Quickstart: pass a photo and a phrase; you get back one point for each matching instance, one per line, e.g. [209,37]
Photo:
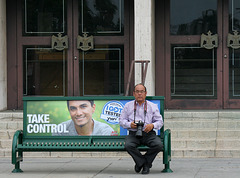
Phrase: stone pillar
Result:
[144,43]
[3,56]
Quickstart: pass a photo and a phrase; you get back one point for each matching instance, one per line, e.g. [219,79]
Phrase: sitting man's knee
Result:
[158,146]
[129,146]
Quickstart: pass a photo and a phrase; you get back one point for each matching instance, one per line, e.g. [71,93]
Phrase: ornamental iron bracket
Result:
[85,43]
[209,41]
[233,40]
[60,42]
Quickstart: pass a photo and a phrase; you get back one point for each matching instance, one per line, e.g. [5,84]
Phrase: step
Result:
[193,143]
[204,133]
[193,153]
[5,152]
[191,114]
[5,144]
[228,134]
[207,153]
[202,114]
[228,153]
[234,124]
[191,124]
[14,125]
[7,134]
[11,115]
[229,114]
[193,133]
[227,143]
[205,143]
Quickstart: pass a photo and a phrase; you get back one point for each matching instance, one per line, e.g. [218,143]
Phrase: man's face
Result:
[139,93]
[81,112]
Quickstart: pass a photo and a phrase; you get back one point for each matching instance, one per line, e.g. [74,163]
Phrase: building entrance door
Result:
[202,54]
[72,47]
[231,54]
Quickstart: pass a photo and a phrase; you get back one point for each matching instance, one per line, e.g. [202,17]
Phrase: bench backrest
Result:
[43,116]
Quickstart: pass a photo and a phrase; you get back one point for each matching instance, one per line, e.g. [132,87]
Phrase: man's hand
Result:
[133,125]
[148,128]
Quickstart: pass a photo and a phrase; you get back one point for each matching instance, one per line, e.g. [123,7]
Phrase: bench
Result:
[37,137]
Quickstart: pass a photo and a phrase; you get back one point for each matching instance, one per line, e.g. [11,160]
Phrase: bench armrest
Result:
[17,139]
[167,146]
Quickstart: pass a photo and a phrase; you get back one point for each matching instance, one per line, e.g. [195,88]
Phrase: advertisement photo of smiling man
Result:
[140,117]
[81,122]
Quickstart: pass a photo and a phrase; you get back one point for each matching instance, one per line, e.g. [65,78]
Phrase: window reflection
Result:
[234,73]
[101,17]
[44,71]
[234,15]
[193,73]
[234,54]
[102,71]
[198,16]
[44,17]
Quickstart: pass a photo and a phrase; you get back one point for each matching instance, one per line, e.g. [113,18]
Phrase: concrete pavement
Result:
[118,167]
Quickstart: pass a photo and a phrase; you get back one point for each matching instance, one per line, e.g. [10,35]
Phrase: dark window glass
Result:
[193,72]
[234,57]
[102,71]
[188,17]
[100,17]
[44,71]
[234,73]
[44,17]
[234,15]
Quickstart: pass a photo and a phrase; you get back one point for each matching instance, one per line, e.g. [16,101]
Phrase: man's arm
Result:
[157,120]
[124,120]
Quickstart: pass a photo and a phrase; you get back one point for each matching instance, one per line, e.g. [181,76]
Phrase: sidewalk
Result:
[119,168]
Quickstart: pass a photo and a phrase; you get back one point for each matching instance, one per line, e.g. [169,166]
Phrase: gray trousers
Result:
[149,139]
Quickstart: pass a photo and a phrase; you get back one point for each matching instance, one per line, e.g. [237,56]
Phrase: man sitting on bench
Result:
[140,117]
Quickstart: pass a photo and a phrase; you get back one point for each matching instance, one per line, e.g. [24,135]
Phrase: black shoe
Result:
[137,169]
[146,169]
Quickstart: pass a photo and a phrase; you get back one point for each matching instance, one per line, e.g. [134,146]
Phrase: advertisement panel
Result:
[61,118]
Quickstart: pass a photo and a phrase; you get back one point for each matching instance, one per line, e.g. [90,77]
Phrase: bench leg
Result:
[167,168]
[167,151]
[17,156]
[17,168]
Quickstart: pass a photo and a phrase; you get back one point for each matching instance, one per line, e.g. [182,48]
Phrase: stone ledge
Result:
[11,115]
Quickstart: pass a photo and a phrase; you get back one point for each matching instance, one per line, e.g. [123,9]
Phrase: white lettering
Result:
[54,128]
[29,118]
[60,128]
[34,119]
[38,118]
[65,129]
[46,118]
[42,128]
[29,128]
[35,128]
[46,128]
